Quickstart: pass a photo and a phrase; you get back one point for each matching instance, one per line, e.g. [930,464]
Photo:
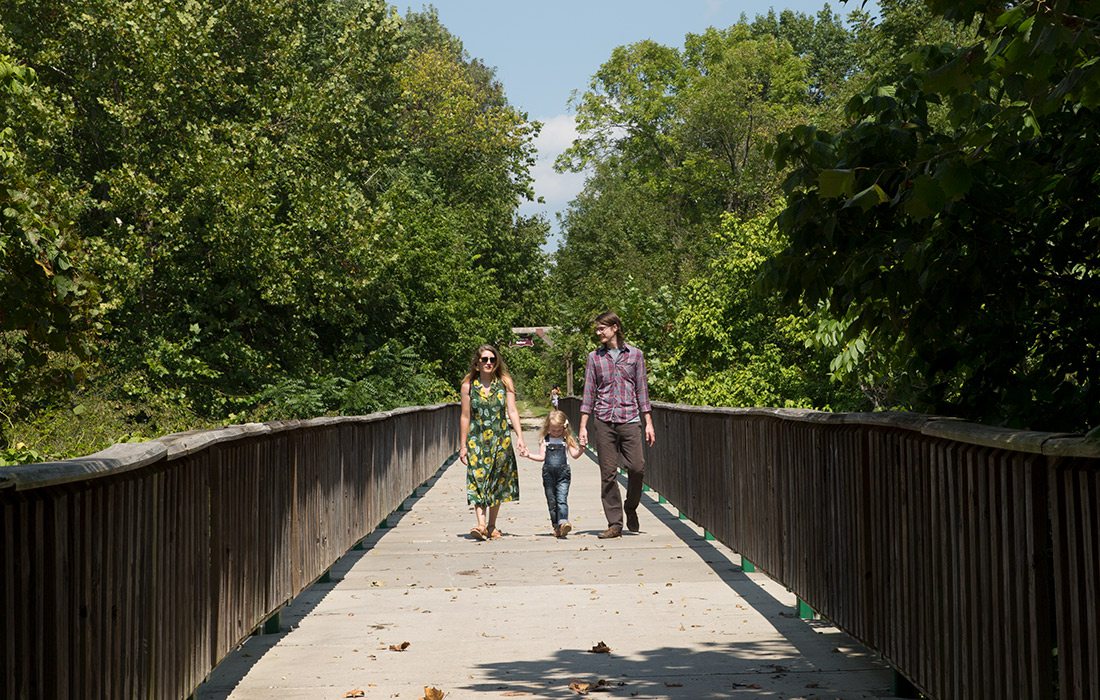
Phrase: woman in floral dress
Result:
[488,406]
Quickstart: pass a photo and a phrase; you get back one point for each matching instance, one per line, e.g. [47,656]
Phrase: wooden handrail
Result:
[134,571]
[967,555]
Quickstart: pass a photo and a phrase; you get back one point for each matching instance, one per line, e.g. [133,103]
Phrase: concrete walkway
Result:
[517,617]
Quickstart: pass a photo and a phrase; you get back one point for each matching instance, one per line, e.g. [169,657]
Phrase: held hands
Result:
[582,436]
[523,451]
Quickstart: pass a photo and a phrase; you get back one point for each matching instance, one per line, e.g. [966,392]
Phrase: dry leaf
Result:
[600,648]
[431,693]
[399,647]
[356,693]
[584,687]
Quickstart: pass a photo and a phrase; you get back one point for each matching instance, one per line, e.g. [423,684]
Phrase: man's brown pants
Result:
[619,444]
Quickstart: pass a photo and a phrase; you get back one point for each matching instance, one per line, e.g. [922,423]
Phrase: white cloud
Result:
[557,133]
[556,188]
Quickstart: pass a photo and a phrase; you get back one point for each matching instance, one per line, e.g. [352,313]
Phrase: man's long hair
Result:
[610,318]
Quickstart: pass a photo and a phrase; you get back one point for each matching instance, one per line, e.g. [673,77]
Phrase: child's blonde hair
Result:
[558,419]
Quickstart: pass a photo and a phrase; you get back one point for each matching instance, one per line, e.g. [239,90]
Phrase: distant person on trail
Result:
[488,406]
[555,397]
[616,398]
[557,440]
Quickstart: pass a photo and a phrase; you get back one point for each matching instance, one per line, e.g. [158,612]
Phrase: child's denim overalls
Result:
[555,479]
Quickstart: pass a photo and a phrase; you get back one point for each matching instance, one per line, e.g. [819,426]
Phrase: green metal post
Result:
[747,566]
[645,488]
[683,515]
[708,535]
[804,611]
[662,499]
[326,577]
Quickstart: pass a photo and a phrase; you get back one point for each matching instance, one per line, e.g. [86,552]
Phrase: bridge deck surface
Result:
[516,617]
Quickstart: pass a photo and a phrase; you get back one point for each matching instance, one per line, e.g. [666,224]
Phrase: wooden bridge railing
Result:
[132,572]
[968,556]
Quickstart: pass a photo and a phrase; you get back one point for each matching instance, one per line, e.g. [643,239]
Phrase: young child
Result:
[556,439]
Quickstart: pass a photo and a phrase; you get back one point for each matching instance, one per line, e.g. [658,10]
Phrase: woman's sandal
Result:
[479,533]
[497,534]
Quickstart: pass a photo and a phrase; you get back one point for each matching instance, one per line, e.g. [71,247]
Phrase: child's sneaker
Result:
[563,528]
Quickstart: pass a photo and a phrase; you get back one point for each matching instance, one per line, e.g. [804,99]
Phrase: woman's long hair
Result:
[500,368]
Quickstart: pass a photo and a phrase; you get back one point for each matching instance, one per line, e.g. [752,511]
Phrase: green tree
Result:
[733,343]
[966,247]
[49,309]
[273,196]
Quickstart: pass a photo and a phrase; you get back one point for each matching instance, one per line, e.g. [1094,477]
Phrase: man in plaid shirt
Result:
[616,400]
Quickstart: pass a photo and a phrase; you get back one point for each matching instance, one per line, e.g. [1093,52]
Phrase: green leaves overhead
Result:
[967,237]
[262,190]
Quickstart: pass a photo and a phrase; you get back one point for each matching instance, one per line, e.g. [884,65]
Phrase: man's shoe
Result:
[632,521]
[611,531]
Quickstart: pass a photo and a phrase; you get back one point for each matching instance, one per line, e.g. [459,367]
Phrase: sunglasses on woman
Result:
[488,360]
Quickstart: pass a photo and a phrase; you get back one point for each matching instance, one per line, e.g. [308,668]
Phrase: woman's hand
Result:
[522,447]
[462,454]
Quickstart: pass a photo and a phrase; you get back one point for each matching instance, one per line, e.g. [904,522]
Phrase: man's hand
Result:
[650,435]
[582,436]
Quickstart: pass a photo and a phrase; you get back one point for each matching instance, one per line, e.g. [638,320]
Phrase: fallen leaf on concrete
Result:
[580,687]
[600,648]
[355,693]
[377,584]
[586,687]
[399,647]
[431,693]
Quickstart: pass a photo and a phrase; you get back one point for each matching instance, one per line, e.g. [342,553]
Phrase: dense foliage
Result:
[673,223]
[953,225]
[935,246]
[264,209]
[224,210]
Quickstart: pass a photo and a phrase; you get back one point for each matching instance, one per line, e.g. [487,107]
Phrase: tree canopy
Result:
[215,205]
[953,221]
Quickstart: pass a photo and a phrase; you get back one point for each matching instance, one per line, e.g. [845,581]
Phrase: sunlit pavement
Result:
[518,617]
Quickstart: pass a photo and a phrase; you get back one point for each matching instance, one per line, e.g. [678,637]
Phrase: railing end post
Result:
[747,566]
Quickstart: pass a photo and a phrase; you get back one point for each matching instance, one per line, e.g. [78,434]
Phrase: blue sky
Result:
[542,51]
